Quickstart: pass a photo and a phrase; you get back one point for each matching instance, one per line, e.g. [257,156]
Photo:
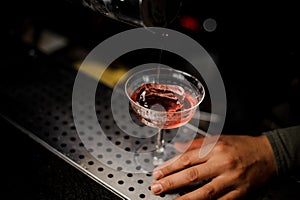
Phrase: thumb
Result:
[194,144]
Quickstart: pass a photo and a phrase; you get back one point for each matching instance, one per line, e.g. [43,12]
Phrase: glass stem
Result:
[160,142]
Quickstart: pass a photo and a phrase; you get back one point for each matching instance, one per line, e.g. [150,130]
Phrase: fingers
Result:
[220,187]
[182,147]
[177,163]
[209,191]
[185,177]
[235,194]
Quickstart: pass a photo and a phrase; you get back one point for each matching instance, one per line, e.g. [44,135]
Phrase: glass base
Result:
[147,161]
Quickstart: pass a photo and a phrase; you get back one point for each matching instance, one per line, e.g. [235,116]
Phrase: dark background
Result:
[255,46]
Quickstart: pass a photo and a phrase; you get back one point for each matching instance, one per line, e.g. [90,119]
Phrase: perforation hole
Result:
[56,125]
[110,175]
[100,169]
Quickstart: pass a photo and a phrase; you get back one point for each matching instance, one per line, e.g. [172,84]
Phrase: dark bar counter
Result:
[43,156]
[37,159]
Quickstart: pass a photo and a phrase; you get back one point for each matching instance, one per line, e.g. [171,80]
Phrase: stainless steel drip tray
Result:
[40,103]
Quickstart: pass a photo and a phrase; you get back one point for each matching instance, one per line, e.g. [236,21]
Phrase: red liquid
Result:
[159,97]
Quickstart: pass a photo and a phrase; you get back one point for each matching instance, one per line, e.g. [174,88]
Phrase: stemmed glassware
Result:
[163,98]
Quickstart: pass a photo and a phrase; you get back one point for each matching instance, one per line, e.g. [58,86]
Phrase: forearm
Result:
[285,143]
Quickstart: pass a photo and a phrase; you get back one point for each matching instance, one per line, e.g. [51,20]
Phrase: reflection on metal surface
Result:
[40,105]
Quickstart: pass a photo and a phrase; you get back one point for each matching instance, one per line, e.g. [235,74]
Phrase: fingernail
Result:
[156,188]
[157,174]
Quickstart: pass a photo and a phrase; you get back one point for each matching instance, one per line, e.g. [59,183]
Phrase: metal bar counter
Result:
[36,97]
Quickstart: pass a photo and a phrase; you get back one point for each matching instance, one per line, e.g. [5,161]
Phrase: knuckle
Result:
[229,162]
[167,184]
[208,192]
[165,171]
[192,175]
[185,160]
[220,147]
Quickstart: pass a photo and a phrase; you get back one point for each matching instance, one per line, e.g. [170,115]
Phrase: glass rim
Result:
[169,69]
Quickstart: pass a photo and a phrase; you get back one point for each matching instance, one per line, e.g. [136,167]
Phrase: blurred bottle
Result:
[146,13]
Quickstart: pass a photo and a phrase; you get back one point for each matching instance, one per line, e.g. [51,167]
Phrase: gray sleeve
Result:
[285,143]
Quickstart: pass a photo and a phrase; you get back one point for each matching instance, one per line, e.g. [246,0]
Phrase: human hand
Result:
[235,165]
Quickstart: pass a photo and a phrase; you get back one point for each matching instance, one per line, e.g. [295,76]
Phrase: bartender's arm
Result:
[236,165]
[285,143]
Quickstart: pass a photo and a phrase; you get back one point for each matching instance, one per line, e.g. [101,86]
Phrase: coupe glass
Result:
[163,98]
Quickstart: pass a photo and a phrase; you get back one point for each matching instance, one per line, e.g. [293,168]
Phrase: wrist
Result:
[268,154]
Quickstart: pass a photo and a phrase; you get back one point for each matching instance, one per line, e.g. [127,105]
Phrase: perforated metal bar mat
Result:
[36,95]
